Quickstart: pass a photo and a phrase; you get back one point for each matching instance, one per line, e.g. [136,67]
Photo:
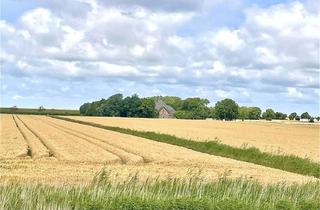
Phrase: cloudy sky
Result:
[60,54]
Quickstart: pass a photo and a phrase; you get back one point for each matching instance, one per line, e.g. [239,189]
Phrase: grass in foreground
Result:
[191,193]
[289,163]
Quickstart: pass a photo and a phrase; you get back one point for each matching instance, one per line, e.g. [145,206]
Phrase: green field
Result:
[6,110]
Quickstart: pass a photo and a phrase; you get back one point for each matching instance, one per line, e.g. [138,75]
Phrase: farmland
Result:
[44,143]
[64,157]
[302,140]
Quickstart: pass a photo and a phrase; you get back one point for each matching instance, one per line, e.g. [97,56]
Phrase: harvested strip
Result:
[12,143]
[38,150]
[126,157]
[69,147]
[182,157]
[151,151]
[275,137]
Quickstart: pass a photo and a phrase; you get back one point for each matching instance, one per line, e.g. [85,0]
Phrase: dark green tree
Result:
[180,114]
[147,108]
[131,106]
[268,114]
[280,116]
[292,116]
[112,106]
[305,115]
[190,104]
[254,113]
[173,101]
[226,109]
[84,108]
[243,113]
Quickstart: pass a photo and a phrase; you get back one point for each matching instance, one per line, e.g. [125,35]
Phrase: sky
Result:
[61,54]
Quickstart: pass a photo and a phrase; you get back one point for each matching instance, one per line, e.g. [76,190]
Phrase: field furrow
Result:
[37,148]
[12,143]
[165,154]
[126,157]
[151,151]
[68,147]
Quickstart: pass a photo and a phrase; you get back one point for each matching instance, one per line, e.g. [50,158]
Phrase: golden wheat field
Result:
[298,139]
[47,150]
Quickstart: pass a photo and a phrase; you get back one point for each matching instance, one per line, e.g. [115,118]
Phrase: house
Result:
[165,111]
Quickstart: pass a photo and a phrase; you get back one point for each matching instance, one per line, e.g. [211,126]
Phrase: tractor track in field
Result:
[125,156]
[51,149]
[29,150]
[37,149]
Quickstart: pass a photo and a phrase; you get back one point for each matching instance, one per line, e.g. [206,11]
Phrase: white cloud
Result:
[17,97]
[218,67]
[294,93]
[179,42]
[273,48]
[39,20]
[221,93]
[137,51]
[228,39]
[71,37]
[22,65]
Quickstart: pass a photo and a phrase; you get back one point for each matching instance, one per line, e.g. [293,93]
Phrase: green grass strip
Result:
[289,163]
[188,193]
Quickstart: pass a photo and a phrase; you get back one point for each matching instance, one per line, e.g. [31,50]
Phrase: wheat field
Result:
[46,150]
[298,139]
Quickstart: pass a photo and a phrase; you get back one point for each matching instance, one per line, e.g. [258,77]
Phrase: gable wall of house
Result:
[163,113]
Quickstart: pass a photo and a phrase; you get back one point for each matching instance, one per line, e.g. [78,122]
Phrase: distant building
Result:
[165,111]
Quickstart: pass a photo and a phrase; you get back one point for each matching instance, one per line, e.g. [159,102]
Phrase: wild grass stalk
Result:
[192,193]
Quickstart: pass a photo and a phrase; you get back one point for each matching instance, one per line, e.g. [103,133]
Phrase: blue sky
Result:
[60,54]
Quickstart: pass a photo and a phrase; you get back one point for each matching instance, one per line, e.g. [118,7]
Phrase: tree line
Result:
[190,108]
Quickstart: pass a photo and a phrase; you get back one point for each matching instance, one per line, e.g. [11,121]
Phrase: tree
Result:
[84,108]
[173,101]
[41,108]
[292,116]
[297,118]
[180,114]
[14,108]
[305,115]
[201,112]
[268,114]
[280,116]
[243,113]
[212,113]
[254,113]
[112,106]
[318,119]
[147,108]
[226,109]
[190,104]
[131,106]
[311,120]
